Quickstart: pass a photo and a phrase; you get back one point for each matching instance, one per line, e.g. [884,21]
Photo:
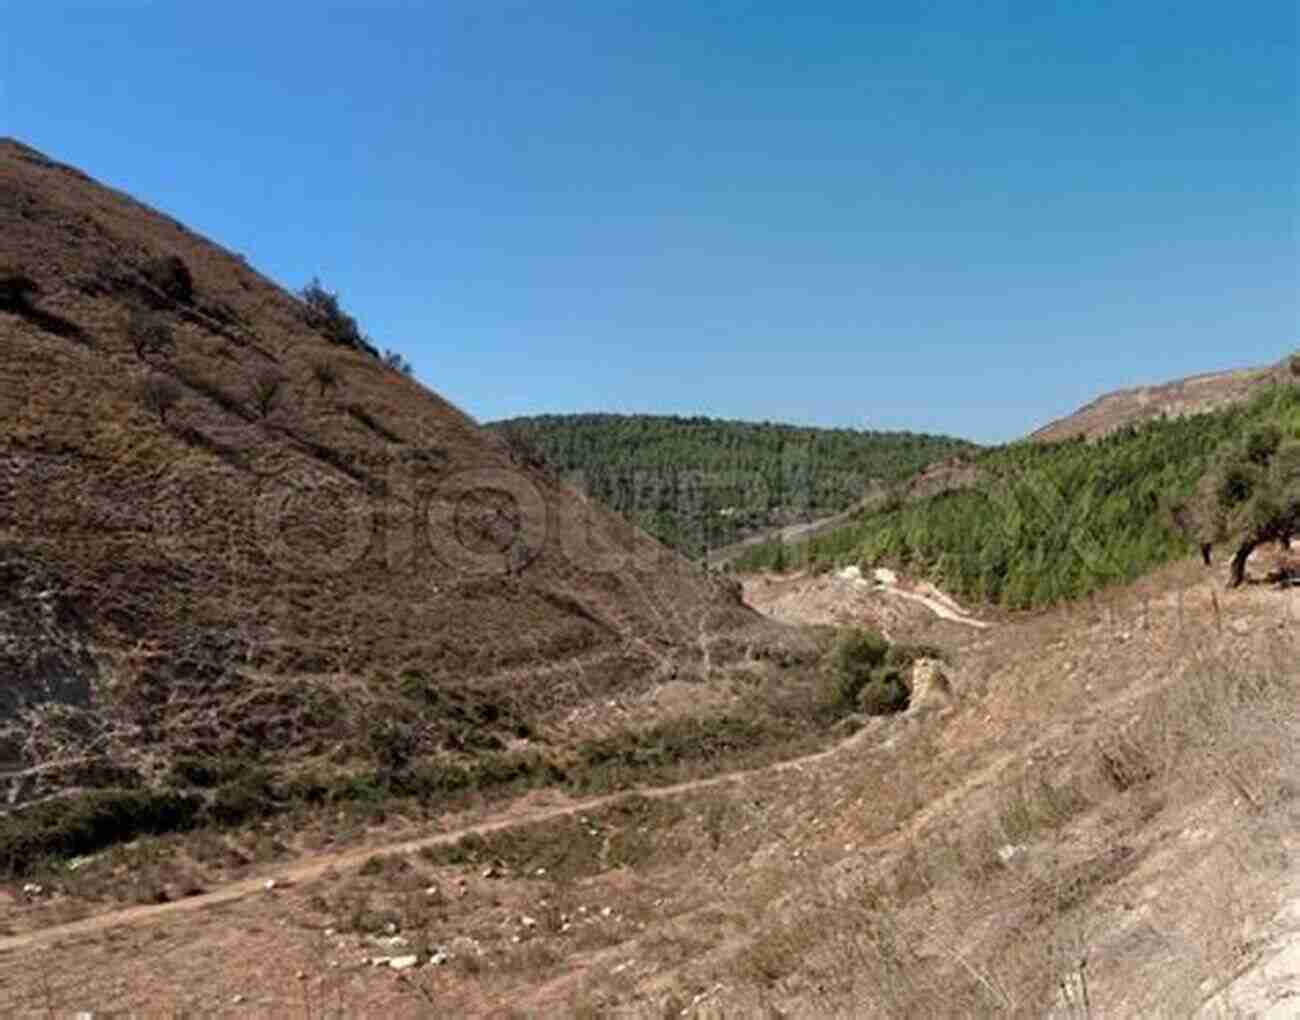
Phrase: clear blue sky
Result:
[960,217]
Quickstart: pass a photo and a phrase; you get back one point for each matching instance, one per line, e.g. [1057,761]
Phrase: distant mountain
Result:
[1193,395]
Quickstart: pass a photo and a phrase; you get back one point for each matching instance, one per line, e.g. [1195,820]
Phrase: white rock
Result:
[1009,852]
[270,885]
[528,922]
[403,962]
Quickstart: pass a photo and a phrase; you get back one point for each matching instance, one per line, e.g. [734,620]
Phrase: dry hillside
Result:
[294,548]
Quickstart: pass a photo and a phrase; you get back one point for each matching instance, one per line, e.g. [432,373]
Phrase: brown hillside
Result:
[275,580]
[1194,395]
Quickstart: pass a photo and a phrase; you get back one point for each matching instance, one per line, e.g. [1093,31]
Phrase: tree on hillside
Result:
[1250,496]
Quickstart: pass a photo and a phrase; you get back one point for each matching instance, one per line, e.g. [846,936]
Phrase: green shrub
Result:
[884,693]
[856,656]
[89,823]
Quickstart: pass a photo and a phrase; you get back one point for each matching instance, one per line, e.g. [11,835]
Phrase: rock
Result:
[403,962]
[528,922]
[885,576]
[440,957]
[270,885]
[931,689]
[490,872]
[606,911]
[1009,852]
[390,928]
[238,1000]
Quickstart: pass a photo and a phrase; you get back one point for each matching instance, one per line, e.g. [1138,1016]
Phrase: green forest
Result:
[700,483]
[1048,521]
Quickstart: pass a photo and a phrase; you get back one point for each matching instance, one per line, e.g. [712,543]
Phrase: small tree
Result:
[159,394]
[149,334]
[1295,365]
[397,361]
[267,388]
[326,374]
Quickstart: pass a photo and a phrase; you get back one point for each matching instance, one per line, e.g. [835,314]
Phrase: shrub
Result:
[1295,365]
[266,390]
[17,290]
[326,374]
[159,394]
[867,674]
[171,276]
[149,334]
[884,693]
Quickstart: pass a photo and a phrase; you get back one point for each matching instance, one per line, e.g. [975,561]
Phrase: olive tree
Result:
[1250,496]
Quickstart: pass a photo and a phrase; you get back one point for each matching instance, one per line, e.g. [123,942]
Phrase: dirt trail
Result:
[317,867]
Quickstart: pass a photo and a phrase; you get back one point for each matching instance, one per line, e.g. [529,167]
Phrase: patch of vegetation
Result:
[65,828]
[700,483]
[1049,522]
[870,676]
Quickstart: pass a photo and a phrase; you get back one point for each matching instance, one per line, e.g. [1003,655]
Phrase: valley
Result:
[322,700]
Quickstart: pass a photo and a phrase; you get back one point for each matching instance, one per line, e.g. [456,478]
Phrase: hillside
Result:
[701,483]
[1196,394]
[248,563]
[1030,524]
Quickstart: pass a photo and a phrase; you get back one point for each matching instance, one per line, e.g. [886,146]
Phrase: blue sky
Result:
[958,217]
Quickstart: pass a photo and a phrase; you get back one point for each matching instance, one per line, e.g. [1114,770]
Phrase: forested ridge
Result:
[1047,522]
[698,483]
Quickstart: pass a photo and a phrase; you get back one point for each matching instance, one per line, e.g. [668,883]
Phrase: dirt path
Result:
[317,867]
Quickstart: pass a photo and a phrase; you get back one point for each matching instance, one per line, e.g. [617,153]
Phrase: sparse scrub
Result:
[158,394]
